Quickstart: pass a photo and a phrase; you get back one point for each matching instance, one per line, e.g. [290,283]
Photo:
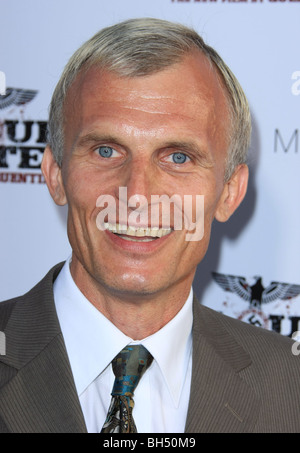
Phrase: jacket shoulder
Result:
[251,338]
[7,305]
[31,314]
[6,308]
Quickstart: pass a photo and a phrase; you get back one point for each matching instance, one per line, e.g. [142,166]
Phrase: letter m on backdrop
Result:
[285,147]
[2,343]
[2,84]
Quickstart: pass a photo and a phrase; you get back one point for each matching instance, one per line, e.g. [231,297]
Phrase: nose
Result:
[143,178]
[140,179]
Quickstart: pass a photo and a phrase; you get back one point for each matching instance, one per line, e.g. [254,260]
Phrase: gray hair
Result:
[140,47]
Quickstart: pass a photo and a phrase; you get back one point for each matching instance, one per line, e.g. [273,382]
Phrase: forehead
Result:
[187,95]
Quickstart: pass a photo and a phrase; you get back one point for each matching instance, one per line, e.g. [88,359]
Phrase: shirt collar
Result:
[86,330]
[171,347]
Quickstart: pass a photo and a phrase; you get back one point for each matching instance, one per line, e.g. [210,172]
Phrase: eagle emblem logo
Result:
[16,96]
[256,294]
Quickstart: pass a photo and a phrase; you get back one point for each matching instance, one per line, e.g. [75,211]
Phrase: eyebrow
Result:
[185,146]
[94,138]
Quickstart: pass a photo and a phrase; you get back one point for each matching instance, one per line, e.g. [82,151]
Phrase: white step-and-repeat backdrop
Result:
[252,269]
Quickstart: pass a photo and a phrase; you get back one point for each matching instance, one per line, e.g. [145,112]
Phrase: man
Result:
[144,106]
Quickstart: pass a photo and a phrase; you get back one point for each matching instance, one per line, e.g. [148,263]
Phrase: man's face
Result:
[162,134]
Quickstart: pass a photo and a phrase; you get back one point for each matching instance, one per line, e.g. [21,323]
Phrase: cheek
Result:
[79,185]
[207,197]
[81,207]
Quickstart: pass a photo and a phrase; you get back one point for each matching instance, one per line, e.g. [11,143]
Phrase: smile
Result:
[137,234]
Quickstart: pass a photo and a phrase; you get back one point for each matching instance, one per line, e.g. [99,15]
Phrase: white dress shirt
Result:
[92,341]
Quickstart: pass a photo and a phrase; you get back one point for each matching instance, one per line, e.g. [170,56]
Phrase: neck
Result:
[136,315]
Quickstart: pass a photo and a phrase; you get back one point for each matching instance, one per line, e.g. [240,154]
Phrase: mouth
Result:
[137,234]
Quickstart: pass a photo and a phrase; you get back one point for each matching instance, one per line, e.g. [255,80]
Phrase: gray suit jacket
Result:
[244,379]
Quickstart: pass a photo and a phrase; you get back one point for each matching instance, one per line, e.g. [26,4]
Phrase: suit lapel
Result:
[36,353]
[220,400]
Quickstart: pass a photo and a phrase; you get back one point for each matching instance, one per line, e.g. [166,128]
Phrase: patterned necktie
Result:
[128,366]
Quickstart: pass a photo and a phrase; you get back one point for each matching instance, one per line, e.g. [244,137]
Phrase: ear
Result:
[52,174]
[233,193]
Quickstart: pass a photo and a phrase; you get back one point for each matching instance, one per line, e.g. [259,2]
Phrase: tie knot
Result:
[129,366]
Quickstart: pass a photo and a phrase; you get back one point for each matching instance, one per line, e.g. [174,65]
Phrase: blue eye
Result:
[179,158]
[105,151]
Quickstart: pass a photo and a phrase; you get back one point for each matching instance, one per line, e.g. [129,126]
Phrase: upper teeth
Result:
[136,231]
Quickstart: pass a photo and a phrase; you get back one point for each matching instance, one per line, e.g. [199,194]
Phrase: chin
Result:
[132,286]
